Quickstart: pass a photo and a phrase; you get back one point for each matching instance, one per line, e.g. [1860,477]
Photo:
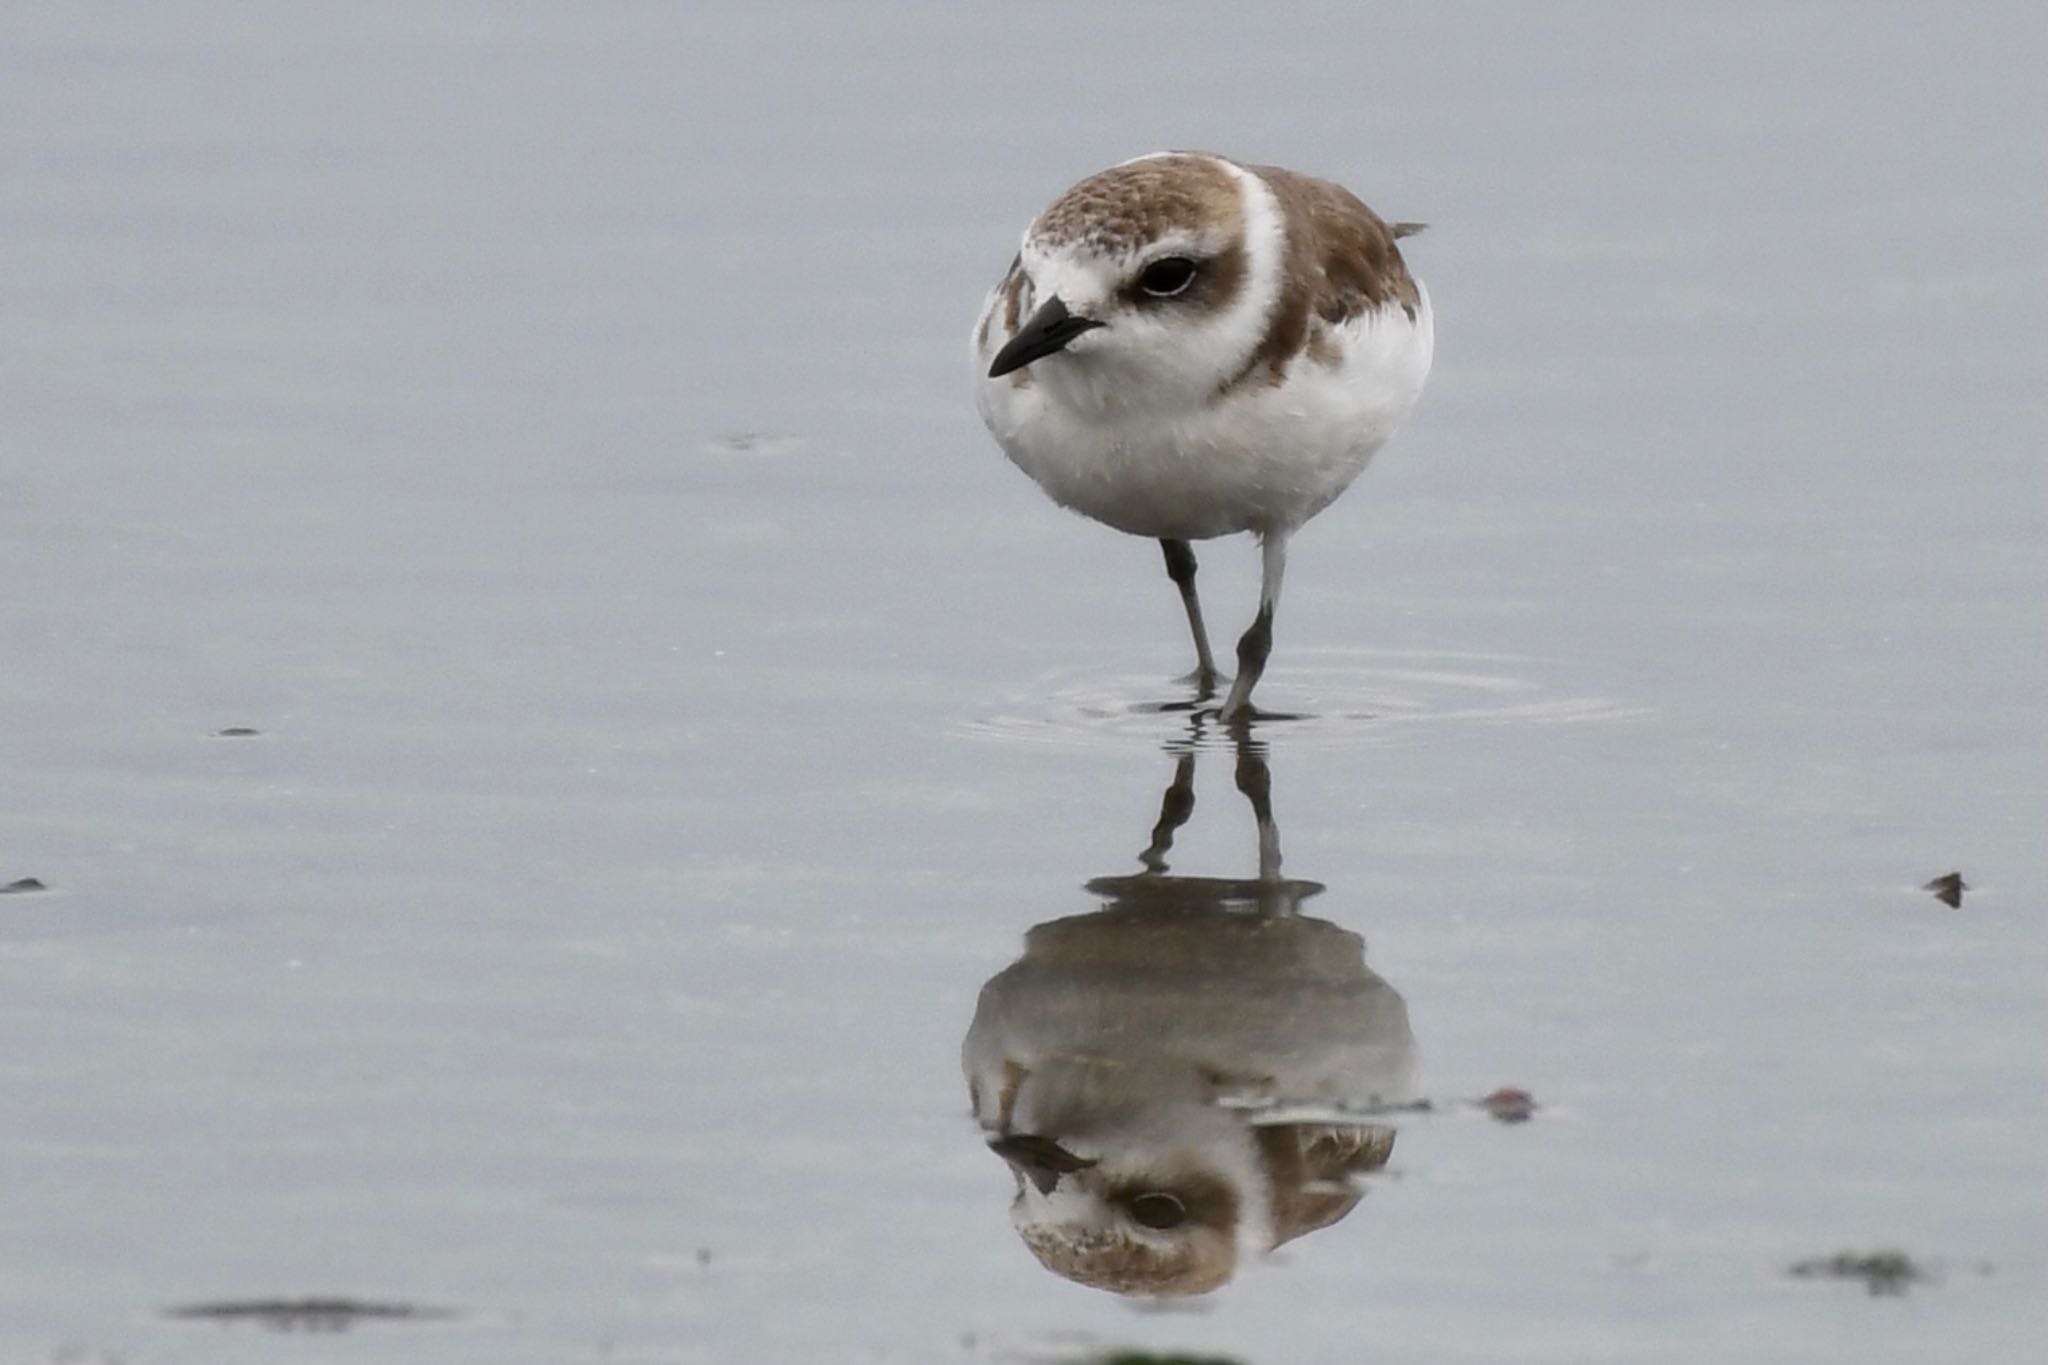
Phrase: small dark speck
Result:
[237,732]
[24,884]
[703,1255]
[1948,889]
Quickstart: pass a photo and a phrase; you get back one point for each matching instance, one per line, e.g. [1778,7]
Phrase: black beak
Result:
[1038,1159]
[1045,331]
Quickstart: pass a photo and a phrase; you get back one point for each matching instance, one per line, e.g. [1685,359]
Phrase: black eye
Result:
[1167,276]
[1159,1210]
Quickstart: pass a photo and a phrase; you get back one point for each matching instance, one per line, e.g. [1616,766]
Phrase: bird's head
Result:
[1148,285]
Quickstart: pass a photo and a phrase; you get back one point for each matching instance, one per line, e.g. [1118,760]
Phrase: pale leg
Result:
[1256,644]
[1276,895]
[1180,567]
[1255,780]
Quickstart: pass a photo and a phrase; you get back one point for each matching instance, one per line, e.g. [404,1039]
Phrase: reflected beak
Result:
[1045,331]
[1038,1159]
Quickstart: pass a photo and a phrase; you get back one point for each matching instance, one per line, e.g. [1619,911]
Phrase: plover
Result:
[1188,346]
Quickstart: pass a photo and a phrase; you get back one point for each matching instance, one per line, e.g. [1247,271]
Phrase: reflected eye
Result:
[1166,277]
[1159,1210]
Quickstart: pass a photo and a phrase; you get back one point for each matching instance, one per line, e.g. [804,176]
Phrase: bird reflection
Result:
[1191,1075]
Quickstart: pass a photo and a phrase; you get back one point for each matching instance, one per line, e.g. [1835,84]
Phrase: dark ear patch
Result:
[1214,284]
[1204,1199]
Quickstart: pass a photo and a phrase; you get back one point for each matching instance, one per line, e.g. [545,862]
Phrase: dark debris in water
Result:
[237,732]
[1948,889]
[1510,1104]
[308,1314]
[1171,1358]
[1886,1270]
[23,885]
[759,444]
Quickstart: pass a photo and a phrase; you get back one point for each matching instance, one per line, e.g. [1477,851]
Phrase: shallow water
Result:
[548,429]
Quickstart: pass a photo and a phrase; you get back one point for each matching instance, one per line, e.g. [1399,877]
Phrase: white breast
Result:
[1260,457]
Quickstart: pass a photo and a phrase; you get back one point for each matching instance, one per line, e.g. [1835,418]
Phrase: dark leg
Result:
[1180,567]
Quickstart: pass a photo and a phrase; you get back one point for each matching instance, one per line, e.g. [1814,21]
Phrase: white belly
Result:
[1259,458]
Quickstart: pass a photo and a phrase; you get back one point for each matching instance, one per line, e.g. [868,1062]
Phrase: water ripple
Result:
[1328,696]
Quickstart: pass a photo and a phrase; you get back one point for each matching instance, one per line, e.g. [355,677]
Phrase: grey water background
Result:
[548,425]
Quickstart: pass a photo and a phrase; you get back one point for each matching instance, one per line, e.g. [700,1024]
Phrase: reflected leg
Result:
[1174,809]
[1255,780]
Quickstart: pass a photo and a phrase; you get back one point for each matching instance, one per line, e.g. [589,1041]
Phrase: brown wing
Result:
[1341,261]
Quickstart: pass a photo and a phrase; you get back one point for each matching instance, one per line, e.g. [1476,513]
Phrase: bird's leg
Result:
[1276,896]
[1174,809]
[1257,643]
[1180,567]
[1255,780]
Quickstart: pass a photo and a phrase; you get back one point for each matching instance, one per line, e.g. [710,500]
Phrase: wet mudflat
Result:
[557,783]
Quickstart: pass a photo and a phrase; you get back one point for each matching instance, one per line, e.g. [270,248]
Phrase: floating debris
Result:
[22,885]
[307,1315]
[759,444]
[1509,1105]
[237,732]
[1948,889]
[1884,1271]
[1171,1358]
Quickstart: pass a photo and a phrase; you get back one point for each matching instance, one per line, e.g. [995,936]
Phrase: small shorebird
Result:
[1187,347]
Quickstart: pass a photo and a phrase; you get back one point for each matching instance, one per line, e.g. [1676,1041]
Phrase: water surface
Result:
[547,428]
